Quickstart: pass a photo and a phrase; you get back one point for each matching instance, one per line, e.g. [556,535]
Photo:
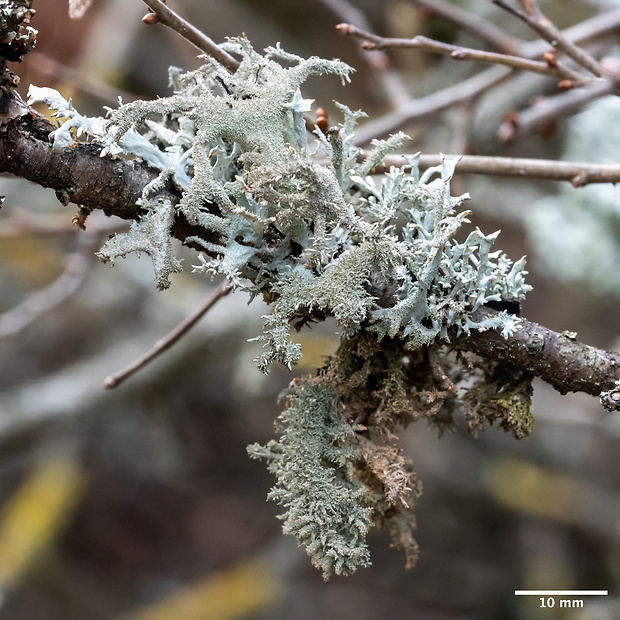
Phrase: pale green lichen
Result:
[327,508]
[307,226]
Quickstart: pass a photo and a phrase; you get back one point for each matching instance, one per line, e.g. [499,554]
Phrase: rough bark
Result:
[557,358]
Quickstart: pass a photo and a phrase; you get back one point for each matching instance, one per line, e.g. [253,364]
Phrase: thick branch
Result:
[558,359]
[77,174]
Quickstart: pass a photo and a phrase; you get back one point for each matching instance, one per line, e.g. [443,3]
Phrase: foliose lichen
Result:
[305,224]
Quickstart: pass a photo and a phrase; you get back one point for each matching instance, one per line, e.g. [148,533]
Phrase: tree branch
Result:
[557,358]
[376,42]
[483,29]
[578,173]
[79,174]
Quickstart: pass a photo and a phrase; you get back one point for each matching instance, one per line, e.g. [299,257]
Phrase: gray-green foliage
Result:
[307,226]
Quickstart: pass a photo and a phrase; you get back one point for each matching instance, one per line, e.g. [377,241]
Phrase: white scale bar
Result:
[561,592]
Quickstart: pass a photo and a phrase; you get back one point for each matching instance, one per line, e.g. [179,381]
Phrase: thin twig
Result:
[390,82]
[578,173]
[167,341]
[552,108]
[538,22]
[376,42]
[483,29]
[419,110]
[205,44]
[40,302]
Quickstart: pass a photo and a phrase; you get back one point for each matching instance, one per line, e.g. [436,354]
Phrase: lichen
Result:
[327,507]
[306,225]
[505,395]
[17,38]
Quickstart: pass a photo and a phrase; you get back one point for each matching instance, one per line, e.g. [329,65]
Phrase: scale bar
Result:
[561,592]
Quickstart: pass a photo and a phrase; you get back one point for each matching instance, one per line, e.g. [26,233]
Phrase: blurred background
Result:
[141,503]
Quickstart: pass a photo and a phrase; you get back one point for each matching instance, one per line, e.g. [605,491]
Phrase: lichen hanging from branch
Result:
[379,254]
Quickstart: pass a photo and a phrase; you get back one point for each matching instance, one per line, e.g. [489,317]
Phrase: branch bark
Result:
[78,174]
[557,358]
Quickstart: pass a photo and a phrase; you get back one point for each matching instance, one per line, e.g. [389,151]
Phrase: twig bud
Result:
[322,122]
[509,126]
[150,19]
[566,84]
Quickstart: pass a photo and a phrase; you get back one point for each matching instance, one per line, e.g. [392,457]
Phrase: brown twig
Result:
[204,43]
[577,173]
[389,81]
[537,21]
[475,24]
[375,42]
[419,110]
[167,341]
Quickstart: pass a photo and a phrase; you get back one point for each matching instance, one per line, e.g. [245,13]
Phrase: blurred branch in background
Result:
[579,174]
[471,89]
[240,591]
[34,515]
[38,303]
